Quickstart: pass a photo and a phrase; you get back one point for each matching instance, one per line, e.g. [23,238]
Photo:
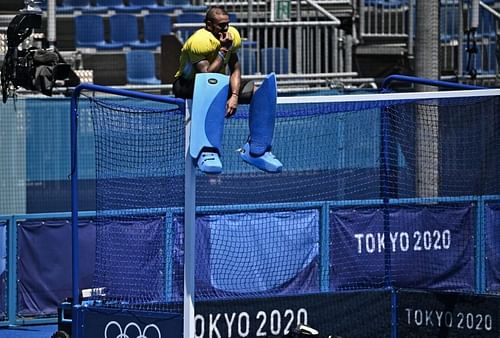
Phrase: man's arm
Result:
[235,83]
[204,66]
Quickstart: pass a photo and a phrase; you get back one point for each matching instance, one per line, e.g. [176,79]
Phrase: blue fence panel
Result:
[492,249]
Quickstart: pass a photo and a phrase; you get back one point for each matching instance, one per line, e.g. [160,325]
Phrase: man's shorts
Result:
[183,88]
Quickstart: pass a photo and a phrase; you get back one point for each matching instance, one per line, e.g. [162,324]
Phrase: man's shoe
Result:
[267,161]
[210,163]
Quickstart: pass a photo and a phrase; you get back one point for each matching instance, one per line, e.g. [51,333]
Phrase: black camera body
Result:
[33,68]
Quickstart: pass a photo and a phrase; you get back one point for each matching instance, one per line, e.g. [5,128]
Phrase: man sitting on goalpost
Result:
[211,50]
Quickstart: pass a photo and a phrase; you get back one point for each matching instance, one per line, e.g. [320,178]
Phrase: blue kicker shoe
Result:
[210,163]
[267,162]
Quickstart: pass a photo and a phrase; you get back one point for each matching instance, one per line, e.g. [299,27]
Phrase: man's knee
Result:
[183,88]
[246,92]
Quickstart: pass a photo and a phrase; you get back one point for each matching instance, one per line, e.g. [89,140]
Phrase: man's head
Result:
[217,21]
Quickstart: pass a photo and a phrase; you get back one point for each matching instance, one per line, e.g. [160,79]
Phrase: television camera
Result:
[32,68]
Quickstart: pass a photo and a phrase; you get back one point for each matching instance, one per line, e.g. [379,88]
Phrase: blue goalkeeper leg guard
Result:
[262,113]
[207,120]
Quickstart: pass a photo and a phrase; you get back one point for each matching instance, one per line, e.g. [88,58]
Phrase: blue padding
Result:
[208,110]
[262,114]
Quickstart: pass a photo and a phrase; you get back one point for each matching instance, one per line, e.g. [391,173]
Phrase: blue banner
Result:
[427,247]
[44,267]
[244,253]
[492,247]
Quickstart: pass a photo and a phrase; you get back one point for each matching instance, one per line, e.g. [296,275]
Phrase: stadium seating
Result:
[152,6]
[233,17]
[124,29]
[89,32]
[156,25]
[69,6]
[274,60]
[141,67]
[118,6]
[185,5]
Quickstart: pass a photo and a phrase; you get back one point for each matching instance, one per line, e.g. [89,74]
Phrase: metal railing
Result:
[309,41]
[384,19]
[385,22]
[297,47]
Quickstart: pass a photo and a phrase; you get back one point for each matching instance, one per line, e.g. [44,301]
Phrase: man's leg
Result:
[262,114]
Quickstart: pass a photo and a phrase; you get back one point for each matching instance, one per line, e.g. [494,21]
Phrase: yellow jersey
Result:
[203,45]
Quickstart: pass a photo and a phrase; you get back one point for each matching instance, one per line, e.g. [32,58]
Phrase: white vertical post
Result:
[189,230]
[51,22]
[474,19]
[427,118]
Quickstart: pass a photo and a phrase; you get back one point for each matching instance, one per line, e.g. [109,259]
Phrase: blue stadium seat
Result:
[89,32]
[152,6]
[124,29]
[156,25]
[141,67]
[69,6]
[185,5]
[189,18]
[233,17]
[118,6]
[248,57]
[274,59]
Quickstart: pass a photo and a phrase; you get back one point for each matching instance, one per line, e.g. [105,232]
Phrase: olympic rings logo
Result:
[124,333]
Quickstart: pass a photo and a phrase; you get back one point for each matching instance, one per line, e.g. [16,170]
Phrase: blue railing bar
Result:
[356,202]
[52,215]
[324,247]
[246,207]
[169,259]
[12,270]
[491,197]
[75,259]
[132,212]
[129,93]
[479,241]
[425,200]
[37,321]
[424,81]
[394,313]
[260,207]
[253,207]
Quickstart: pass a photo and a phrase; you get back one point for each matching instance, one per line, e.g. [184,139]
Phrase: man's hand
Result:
[226,40]
[231,105]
